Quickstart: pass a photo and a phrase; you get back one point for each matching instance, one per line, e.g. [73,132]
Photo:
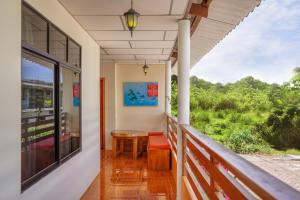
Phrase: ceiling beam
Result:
[199,10]
[174,54]
[196,11]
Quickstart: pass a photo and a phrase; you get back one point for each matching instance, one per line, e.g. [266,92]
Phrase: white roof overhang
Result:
[155,38]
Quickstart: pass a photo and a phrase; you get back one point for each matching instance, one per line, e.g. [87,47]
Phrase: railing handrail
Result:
[262,183]
[25,139]
[171,117]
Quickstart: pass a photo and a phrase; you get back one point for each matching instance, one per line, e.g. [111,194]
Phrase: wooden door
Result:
[102,114]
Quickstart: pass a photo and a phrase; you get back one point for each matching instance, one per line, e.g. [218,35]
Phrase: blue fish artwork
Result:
[138,94]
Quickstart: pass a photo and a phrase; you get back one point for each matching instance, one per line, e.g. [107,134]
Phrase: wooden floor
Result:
[125,178]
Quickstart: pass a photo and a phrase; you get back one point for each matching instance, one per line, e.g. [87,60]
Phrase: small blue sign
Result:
[76,101]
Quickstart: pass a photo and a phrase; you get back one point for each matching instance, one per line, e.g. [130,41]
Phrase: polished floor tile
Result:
[125,178]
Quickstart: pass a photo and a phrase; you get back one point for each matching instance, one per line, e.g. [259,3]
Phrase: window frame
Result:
[59,64]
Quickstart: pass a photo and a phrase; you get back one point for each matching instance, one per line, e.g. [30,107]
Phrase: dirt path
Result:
[285,168]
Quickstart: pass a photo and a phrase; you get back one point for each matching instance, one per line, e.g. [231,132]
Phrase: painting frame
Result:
[140,94]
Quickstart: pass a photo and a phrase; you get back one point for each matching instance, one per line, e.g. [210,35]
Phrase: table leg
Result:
[114,147]
[135,147]
[121,146]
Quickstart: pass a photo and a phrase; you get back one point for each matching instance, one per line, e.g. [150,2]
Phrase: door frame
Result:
[102,113]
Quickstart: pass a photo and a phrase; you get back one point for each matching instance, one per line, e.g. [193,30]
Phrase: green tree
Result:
[296,79]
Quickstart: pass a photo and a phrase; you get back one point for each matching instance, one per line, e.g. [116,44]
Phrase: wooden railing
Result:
[35,129]
[211,171]
[172,132]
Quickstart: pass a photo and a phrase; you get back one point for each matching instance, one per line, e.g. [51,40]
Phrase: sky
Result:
[35,71]
[266,45]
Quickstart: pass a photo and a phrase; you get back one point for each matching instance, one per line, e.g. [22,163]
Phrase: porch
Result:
[210,171]
[69,51]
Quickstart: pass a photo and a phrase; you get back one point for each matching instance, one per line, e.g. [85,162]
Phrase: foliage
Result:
[282,128]
[247,142]
[296,79]
[247,116]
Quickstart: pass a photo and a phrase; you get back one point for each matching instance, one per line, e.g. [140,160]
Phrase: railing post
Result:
[168,87]
[168,130]
[183,92]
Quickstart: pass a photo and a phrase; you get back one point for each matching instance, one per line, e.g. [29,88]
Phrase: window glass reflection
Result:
[58,44]
[34,29]
[74,54]
[38,123]
[70,111]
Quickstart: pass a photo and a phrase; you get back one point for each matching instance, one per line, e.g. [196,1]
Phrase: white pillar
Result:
[168,87]
[183,91]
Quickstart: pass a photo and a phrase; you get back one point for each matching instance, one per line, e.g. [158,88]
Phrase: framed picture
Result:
[140,94]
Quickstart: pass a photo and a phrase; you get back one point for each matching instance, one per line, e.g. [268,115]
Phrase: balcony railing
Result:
[39,128]
[211,171]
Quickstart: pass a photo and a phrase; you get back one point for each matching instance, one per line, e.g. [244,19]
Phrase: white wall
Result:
[10,99]
[140,118]
[108,72]
[70,180]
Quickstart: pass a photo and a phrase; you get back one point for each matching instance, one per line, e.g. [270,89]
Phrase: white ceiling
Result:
[156,32]
[153,38]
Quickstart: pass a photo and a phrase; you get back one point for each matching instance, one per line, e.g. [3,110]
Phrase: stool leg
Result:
[135,147]
[114,147]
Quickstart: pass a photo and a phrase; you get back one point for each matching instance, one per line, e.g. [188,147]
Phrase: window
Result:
[74,53]
[34,29]
[70,104]
[58,43]
[37,115]
[51,97]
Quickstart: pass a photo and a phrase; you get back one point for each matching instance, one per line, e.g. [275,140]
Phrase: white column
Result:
[168,86]
[183,91]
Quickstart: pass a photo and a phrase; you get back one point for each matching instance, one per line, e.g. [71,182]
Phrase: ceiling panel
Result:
[152,7]
[100,22]
[125,35]
[134,51]
[117,57]
[152,44]
[140,62]
[171,35]
[114,44]
[216,26]
[158,57]
[158,23]
[148,35]
[231,11]
[167,51]
[96,7]
[178,7]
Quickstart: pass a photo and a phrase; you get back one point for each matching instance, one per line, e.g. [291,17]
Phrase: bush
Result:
[234,117]
[204,117]
[246,142]
[225,104]
[282,128]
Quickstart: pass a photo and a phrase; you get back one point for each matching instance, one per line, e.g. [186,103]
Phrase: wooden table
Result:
[121,135]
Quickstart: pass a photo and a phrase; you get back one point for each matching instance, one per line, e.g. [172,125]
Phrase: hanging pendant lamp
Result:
[145,68]
[131,17]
